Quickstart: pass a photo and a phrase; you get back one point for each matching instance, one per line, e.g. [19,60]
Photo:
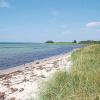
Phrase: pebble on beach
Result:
[22,84]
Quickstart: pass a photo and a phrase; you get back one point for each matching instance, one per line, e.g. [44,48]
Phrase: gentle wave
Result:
[12,55]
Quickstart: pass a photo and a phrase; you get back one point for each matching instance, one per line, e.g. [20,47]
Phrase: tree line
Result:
[81,42]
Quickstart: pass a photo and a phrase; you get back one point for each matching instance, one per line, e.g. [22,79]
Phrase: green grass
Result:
[83,81]
[63,43]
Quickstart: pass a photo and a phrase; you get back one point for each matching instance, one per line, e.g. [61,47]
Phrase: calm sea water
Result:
[13,54]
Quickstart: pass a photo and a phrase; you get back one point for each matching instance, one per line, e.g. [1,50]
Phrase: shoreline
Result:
[23,82]
[22,66]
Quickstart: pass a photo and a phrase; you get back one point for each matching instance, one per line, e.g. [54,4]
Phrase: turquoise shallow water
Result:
[14,54]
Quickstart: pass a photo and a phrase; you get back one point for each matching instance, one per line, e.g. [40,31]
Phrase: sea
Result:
[14,54]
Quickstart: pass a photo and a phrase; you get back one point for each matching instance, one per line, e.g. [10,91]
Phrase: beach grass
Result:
[81,83]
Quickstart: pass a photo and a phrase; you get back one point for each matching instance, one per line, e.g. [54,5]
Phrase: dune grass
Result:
[81,83]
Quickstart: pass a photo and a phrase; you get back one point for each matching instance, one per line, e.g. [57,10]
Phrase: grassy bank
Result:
[82,83]
[63,43]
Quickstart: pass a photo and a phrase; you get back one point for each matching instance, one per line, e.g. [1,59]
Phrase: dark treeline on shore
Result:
[89,41]
[75,41]
[50,41]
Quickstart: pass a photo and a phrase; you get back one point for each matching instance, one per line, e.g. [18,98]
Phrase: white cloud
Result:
[4,4]
[93,24]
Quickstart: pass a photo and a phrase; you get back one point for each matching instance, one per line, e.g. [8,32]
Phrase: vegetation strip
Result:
[82,83]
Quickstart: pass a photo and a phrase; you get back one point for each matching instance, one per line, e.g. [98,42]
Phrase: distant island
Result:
[50,41]
[75,42]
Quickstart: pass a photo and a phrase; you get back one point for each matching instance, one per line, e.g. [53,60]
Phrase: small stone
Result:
[37,62]
[13,98]
[48,69]
[13,90]
[2,95]
[26,67]
[42,76]
[21,89]
[39,68]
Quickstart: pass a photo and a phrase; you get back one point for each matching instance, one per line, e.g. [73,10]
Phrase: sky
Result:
[42,20]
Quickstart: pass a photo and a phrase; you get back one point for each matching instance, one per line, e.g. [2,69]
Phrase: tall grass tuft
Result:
[82,83]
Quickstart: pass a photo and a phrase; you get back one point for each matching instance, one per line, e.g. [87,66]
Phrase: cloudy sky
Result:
[41,20]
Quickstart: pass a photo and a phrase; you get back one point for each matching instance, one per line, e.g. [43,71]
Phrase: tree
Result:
[74,41]
[49,42]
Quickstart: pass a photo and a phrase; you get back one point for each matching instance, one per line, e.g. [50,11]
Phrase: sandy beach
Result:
[22,82]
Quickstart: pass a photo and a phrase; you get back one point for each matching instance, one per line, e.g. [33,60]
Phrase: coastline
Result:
[22,82]
[22,66]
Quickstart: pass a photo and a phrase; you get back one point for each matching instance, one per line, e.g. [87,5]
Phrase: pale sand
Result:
[22,82]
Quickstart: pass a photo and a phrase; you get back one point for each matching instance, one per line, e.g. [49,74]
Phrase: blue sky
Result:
[42,20]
